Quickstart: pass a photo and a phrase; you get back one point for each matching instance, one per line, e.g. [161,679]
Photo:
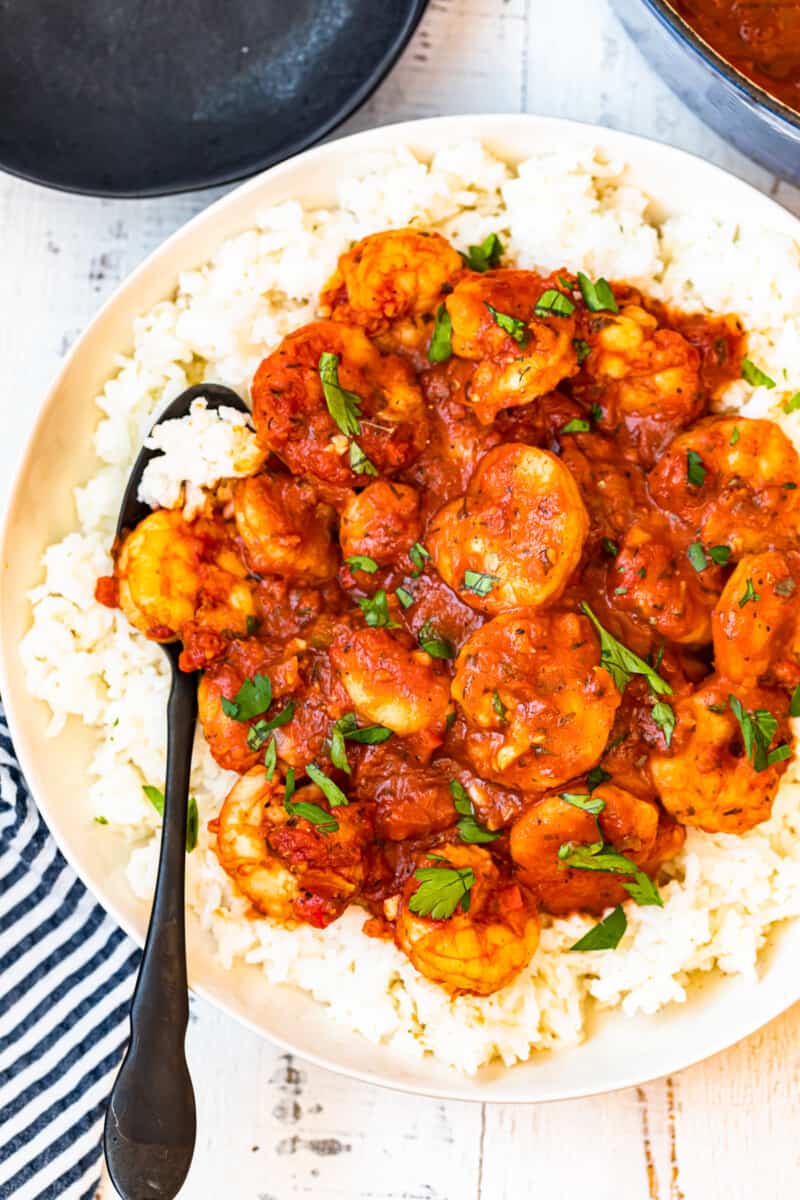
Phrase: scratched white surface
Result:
[275,1129]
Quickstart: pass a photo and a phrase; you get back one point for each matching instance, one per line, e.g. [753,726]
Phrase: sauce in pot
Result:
[761,38]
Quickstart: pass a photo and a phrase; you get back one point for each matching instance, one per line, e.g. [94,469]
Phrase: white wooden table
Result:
[272,1128]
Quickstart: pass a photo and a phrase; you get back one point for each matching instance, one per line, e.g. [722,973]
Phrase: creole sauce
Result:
[761,38]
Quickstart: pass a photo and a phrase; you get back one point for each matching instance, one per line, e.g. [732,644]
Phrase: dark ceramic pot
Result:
[744,114]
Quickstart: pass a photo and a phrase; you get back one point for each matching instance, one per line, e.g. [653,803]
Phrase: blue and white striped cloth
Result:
[66,977]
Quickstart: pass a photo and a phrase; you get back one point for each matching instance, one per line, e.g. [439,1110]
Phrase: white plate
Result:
[620,1051]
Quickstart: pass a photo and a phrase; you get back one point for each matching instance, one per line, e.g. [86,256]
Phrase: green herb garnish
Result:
[252,699]
[257,734]
[697,556]
[554,303]
[792,404]
[333,794]
[433,644]
[576,425]
[441,344]
[418,554]
[359,463]
[469,827]
[607,934]
[513,326]
[498,706]
[271,758]
[582,349]
[755,376]
[376,611]
[664,717]
[441,891]
[758,728]
[695,470]
[621,663]
[324,821]
[750,595]
[590,804]
[343,406]
[156,798]
[486,256]
[404,596]
[598,297]
[362,562]
[610,547]
[479,583]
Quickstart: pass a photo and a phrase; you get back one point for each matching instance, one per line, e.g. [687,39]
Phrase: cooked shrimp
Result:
[645,371]
[757,621]
[482,949]
[516,536]
[286,529]
[538,703]
[390,682]
[390,277]
[654,581]
[626,822]
[707,779]
[157,571]
[511,370]
[381,522]
[292,417]
[732,481]
[289,868]
[228,738]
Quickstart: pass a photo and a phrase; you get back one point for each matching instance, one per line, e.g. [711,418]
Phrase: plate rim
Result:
[383,137]
[359,97]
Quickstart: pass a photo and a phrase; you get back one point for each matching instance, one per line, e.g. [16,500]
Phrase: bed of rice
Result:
[723,893]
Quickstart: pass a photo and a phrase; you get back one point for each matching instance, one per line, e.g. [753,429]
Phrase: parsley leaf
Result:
[252,699]
[478,582]
[339,750]
[621,663]
[324,821]
[486,256]
[441,891]
[553,302]
[792,404]
[332,793]
[469,827]
[794,703]
[733,439]
[758,728]
[754,375]
[362,562]
[513,326]
[597,776]
[344,406]
[418,554]
[156,798]
[643,891]
[101,820]
[697,556]
[405,597]
[582,349]
[498,706]
[433,644]
[610,547]
[719,555]
[600,857]
[441,344]
[695,470]
[606,934]
[598,297]
[590,804]
[576,425]
[359,463]
[288,790]
[749,595]
[376,611]
[257,734]
[251,624]
[271,758]
[664,717]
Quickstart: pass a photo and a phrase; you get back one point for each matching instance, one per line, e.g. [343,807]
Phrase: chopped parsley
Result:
[344,406]
[576,425]
[498,706]
[324,821]
[611,548]
[156,798]
[664,717]
[101,820]
[433,644]
[441,345]
[582,349]
[597,776]
[621,663]
[347,729]
[271,758]
[251,624]
[478,582]
[418,554]
[758,728]
[792,404]
[376,611]
[601,857]
[469,827]
[794,703]
[554,303]
[359,463]
[513,326]
[598,297]
[257,734]
[486,256]
[719,554]
[749,595]
[332,793]
[362,562]
[606,934]
[252,699]
[755,376]
[733,439]
[695,470]
[404,596]
[441,890]
[590,804]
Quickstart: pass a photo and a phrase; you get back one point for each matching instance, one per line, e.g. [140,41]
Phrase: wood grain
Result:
[274,1128]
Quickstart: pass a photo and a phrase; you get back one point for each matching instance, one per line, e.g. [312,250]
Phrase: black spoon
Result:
[151,1122]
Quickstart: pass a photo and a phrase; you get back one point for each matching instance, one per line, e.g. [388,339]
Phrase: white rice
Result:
[556,209]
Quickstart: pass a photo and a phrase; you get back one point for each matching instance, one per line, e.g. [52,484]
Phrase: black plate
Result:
[146,97]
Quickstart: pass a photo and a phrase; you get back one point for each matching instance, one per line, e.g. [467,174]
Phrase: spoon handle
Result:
[151,1121]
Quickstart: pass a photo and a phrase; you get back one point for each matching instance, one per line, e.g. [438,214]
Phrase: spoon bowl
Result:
[151,1122]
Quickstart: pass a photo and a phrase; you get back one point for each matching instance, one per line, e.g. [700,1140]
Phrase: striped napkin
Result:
[66,977]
